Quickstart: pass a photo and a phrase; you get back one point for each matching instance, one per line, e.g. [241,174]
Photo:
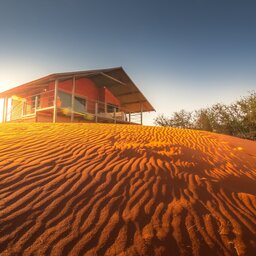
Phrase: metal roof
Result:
[115,79]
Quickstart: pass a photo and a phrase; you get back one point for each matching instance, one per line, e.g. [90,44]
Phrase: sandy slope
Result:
[94,189]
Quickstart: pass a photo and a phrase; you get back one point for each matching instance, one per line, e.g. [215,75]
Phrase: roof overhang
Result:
[115,80]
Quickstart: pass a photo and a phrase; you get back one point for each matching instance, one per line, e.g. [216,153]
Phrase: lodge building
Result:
[104,95]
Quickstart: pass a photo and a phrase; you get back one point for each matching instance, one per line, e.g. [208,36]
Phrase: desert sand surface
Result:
[105,189]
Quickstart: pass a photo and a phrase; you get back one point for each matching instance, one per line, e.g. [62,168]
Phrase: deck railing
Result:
[26,107]
[23,107]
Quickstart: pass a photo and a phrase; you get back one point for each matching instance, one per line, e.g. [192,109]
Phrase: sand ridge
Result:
[103,189]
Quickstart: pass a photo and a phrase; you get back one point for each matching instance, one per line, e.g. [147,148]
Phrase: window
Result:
[112,108]
[65,99]
[80,105]
[35,99]
[66,102]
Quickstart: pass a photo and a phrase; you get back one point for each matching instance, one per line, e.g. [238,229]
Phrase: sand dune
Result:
[95,189]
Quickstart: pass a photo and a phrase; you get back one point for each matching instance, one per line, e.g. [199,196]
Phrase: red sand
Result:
[95,189]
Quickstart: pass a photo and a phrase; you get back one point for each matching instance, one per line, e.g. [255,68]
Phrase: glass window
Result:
[34,99]
[65,99]
[112,108]
[66,102]
[80,105]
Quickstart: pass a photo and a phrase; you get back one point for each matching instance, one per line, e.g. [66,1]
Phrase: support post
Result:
[23,108]
[55,101]
[129,117]
[96,112]
[36,103]
[73,98]
[115,115]
[141,111]
[5,110]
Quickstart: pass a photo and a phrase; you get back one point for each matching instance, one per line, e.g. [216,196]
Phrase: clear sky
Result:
[181,53]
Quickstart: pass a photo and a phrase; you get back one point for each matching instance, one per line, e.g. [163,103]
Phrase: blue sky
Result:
[181,53]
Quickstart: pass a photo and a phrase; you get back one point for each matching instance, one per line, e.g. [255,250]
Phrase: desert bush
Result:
[237,119]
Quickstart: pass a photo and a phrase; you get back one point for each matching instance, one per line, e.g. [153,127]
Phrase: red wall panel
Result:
[110,98]
[87,88]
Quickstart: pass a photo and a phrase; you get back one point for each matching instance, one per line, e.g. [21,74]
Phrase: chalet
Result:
[105,95]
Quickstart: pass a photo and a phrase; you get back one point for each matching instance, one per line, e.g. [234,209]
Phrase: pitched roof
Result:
[115,79]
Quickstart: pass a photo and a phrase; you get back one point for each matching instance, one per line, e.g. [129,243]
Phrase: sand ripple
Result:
[95,189]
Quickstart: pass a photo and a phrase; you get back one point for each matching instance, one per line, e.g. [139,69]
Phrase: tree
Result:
[238,118]
[203,120]
[181,119]
[247,107]
[161,120]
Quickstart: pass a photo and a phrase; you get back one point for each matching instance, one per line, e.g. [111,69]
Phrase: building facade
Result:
[105,95]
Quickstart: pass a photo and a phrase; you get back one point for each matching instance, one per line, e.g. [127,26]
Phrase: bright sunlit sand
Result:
[103,189]
[1,110]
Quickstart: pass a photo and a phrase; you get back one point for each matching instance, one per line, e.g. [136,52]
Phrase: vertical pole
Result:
[3,114]
[96,112]
[2,120]
[73,98]
[36,103]
[141,117]
[105,101]
[115,115]
[55,101]
[23,108]
[129,117]
[5,110]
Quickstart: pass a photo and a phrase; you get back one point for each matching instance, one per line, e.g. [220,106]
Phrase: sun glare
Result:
[1,110]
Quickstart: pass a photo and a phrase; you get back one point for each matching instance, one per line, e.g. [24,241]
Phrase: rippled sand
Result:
[102,189]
